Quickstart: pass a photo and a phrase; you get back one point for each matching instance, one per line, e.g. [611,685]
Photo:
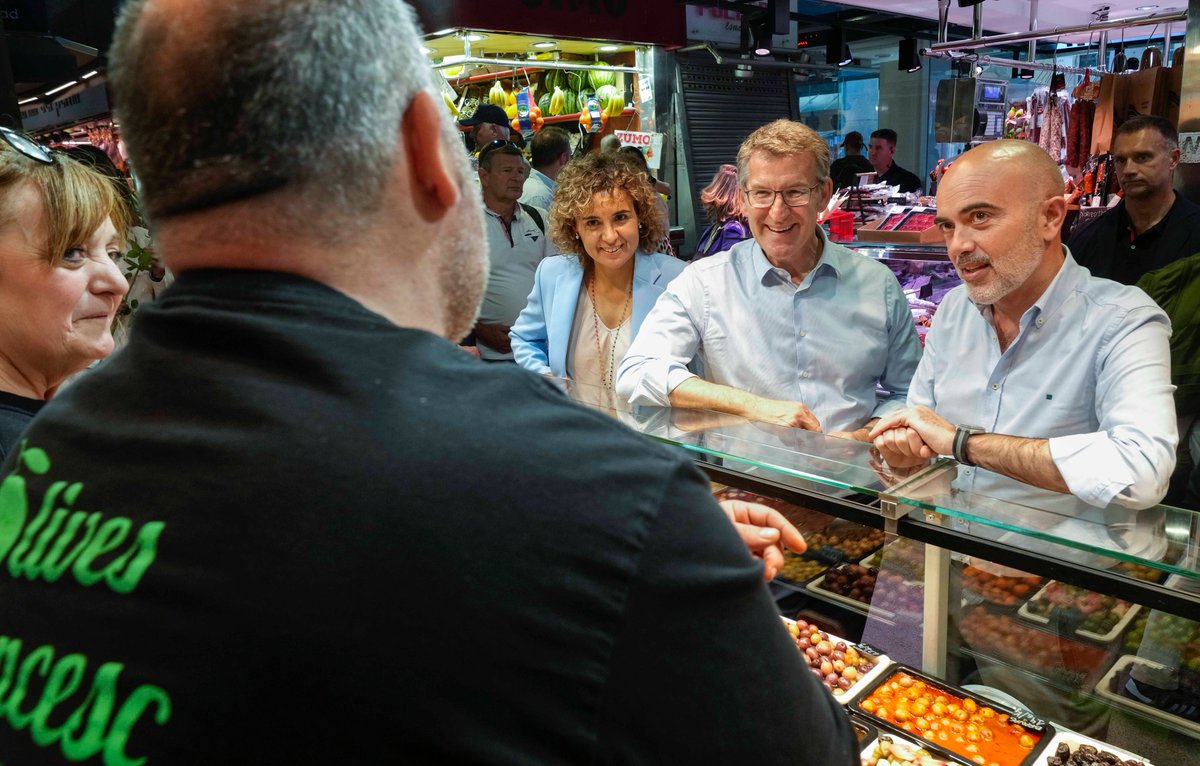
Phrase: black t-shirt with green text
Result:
[278,529]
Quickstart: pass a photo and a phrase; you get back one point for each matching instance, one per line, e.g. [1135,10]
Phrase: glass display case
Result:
[924,272]
[1079,621]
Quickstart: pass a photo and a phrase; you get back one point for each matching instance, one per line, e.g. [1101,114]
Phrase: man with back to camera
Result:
[793,329]
[323,585]
[517,243]
[549,153]
[1153,225]
[880,152]
[1034,369]
[844,170]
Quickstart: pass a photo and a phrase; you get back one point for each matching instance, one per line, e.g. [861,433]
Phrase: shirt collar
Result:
[830,259]
[1064,284]
[516,213]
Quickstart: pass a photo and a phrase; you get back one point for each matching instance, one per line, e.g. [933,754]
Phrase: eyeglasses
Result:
[26,146]
[764,198]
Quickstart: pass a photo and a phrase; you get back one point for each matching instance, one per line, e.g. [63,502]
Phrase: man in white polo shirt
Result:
[517,242]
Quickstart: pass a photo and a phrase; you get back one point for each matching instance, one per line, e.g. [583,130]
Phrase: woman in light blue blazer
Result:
[587,305]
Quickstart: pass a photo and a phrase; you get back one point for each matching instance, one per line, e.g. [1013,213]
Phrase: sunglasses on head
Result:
[26,146]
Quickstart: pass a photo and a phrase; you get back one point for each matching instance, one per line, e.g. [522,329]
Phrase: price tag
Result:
[867,650]
[1028,720]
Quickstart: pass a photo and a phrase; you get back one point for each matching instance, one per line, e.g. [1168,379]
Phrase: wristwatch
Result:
[960,441]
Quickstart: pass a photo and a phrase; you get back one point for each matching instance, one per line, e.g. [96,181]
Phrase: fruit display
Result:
[1094,615]
[1170,632]
[854,540]
[498,95]
[851,581]
[981,733]
[1140,571]
[893,751]
[838,664]
[1070,749]
[1132,681]
[807,521]
[1001,591]
[1062,659]
[799,569]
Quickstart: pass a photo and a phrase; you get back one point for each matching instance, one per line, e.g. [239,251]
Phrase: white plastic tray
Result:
[1141,708]
[1104,638]
[866,751]
[882,663]
[1075,740]
[814,586]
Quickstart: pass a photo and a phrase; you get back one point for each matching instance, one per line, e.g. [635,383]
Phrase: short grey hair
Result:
[266,96]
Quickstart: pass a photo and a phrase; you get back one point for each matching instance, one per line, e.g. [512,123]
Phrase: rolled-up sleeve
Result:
[528,334]
[904,353]
[1130,459]
[669,338]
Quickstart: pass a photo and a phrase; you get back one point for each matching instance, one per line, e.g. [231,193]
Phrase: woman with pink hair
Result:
[722,200]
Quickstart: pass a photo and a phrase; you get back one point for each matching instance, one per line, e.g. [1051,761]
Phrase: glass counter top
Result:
[1151,544]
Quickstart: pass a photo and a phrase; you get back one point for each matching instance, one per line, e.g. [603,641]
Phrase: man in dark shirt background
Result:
[328,571]
[1153,225]
[880,153]
[844,170]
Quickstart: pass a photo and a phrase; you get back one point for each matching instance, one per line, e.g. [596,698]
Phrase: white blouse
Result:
[595,353]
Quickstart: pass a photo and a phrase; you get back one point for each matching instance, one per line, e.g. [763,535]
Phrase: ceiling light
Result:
[1146,7]
[609,48]
[427,50]
[29,100]
[89,75]
[910,57]
[760,31]
[1024,74]
[544,44]
[837,51]
[441,32]
[474,37]
[64,86]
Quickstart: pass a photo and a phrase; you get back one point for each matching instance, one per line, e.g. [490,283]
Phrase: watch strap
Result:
[961,434]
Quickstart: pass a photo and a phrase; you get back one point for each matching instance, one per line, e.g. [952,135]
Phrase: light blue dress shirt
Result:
[1090,370]
[539,189]
[541,336]
[826,342]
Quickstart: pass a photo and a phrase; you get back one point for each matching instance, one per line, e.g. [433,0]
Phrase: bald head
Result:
[1037,176]
[222,102]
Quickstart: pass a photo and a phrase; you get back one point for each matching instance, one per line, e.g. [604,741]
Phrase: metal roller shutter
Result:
[720,110]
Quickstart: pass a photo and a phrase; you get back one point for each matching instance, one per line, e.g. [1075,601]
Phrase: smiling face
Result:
[1001,244]
[608,228]
[55,318]
[786,234]
[1145,163]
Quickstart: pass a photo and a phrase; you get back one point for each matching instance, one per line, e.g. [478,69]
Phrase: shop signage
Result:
[722,25]
[654,22]
[649,143]
[24,15]
[68,109]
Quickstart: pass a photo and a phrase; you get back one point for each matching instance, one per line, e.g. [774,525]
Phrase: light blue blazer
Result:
[542,333]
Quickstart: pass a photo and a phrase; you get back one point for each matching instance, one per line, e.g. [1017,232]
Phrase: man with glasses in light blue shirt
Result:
[1035,369]
[789,327]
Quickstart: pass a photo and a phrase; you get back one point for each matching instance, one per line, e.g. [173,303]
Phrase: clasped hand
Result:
[912,436]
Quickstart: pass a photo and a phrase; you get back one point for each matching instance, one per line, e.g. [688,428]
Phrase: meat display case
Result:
[1028,595]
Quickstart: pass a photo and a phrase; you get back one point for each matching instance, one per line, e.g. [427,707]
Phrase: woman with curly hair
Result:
[722,200]
[587,304]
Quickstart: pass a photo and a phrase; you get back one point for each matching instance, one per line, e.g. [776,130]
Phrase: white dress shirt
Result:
[826,342]
[1090,370]
[514,253]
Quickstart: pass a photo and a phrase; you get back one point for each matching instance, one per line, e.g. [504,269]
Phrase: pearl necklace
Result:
[612,348]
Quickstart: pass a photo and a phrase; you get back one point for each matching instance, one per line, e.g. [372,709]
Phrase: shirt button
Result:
[804,375]
[995,386]
[802,333]
[1041,321]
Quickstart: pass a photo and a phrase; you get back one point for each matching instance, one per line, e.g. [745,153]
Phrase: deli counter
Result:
[955,589]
